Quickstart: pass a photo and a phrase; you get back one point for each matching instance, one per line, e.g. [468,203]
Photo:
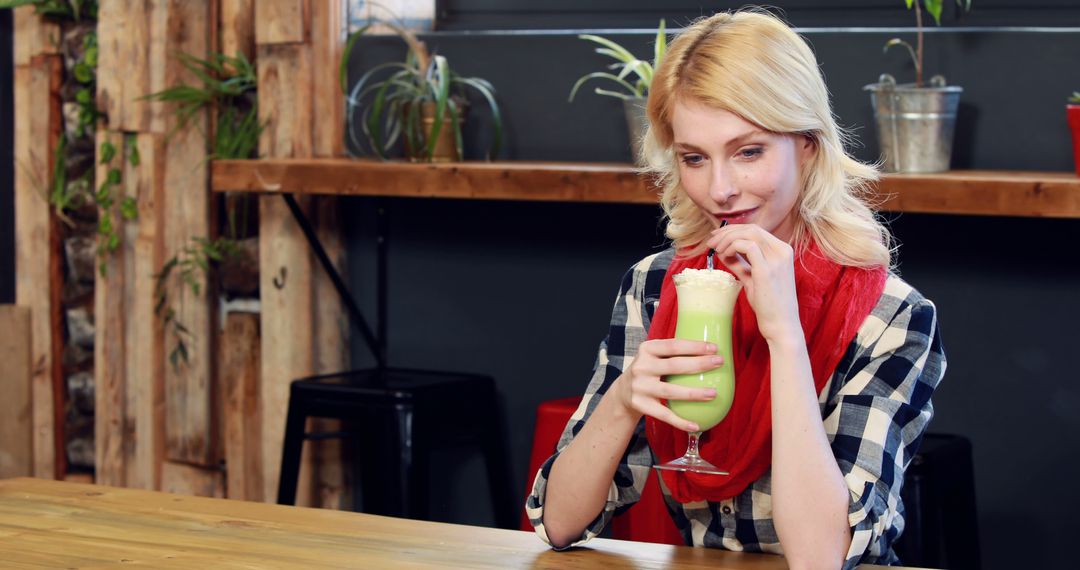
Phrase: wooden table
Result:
[55,524]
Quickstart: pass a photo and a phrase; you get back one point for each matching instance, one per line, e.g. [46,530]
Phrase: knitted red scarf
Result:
[834,300]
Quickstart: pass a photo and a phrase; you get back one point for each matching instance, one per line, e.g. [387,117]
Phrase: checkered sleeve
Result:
[629,328]
[877,417]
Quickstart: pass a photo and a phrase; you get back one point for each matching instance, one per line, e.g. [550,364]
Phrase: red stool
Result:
[647,521]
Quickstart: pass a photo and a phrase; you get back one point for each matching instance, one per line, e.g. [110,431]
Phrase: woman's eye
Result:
[752,152]
[692,159]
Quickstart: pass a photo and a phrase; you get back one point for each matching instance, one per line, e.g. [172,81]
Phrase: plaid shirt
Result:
[875,408]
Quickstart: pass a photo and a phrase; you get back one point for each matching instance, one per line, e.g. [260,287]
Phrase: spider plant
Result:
[625,64]
[933,7]
[422,89]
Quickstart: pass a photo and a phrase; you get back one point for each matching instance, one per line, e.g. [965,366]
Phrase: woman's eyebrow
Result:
[734,142]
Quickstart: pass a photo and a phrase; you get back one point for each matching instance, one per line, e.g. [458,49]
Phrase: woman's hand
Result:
[641,388]
[766,267]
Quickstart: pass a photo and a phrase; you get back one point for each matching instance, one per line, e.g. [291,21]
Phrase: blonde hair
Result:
[752,64]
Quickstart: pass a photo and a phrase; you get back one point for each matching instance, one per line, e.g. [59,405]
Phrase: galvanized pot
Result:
[915,125]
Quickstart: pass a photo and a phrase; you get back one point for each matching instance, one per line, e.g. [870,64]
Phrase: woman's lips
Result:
[739,217]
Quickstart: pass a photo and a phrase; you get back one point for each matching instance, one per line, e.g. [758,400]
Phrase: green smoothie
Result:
[706,304]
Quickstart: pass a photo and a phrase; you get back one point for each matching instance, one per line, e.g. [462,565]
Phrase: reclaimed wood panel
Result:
[124,30]
[16,429]
[112,424]
[145,351]
[983,193]
[191,480]
[96,526]
[190,428]
[240,359]
[37,124]
[33,35]
[282,21]
[237,28]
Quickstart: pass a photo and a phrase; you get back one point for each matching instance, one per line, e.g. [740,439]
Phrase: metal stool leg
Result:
[290,456]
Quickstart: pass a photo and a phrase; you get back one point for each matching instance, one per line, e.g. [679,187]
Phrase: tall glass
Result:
[706,305]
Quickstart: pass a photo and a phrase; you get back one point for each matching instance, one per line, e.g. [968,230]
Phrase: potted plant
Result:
[915,122]
[633,92]
[421,102]
[1072,110]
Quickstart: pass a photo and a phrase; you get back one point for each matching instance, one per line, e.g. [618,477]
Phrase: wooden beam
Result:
[240,358]
[124,74]
[37,126]
[144,337]
[963,192]
[16,429]
[112,427]
[190,429]
[480,180]
[282,21]
[328,35]
[285,100]
[237,28]
[285,290]
[33,35]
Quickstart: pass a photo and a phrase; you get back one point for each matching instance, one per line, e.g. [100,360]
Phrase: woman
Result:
[836,357]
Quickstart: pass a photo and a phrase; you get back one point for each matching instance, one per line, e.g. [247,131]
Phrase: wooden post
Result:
[190,428]
[111,421]
[237,28]
[240,378]
[144,337]
[37,128]
[16,443]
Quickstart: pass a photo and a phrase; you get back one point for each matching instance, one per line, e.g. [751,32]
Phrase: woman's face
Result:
[735,171]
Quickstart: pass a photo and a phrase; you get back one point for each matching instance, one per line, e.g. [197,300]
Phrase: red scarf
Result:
[834,300]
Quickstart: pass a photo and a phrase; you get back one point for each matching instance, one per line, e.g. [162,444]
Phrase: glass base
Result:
[692,465]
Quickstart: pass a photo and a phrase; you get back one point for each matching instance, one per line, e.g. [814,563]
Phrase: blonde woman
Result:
[836,357]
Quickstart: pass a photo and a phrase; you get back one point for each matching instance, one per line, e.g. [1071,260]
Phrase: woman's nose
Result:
[721,186]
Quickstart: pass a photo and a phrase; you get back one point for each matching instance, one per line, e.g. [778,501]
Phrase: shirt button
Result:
[726,510]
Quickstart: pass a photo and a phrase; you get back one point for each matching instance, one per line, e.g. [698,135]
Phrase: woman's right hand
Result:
[641,387]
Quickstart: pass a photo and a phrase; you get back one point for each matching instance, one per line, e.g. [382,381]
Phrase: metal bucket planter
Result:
[915,125]
[637,122]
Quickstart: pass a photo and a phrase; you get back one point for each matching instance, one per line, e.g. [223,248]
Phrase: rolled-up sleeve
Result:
[629,326]
[876,420]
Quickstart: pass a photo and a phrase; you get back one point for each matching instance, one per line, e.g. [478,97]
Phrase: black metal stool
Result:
[941,526]
[399,417]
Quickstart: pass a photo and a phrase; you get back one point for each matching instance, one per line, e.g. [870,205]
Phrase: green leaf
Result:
[129,210]
[114,176]
[933,7]
[114,242]
[660,46]
[620,53]
[133,151]
[488,92]
[82,96]
[345,55]
[107,152]
[91,56]
[83,73]
[601,75]
[440,73]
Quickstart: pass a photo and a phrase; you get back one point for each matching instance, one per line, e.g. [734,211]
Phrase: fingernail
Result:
[692,427]
[710,393]
[710,347]
[717,360]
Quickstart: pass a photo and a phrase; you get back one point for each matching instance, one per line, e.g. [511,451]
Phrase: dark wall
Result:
[7,162]
[523,290]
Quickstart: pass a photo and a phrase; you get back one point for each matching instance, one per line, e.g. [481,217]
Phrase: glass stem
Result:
[692,447]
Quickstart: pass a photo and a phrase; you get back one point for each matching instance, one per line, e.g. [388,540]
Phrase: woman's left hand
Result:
[766,267]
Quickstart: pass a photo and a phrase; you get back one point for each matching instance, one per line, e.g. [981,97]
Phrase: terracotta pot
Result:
[1073,113]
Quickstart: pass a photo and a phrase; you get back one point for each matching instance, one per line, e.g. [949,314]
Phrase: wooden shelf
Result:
[968,192]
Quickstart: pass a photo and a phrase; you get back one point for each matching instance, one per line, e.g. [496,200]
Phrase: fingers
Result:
[679,365]
[668,347]
[663,413]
